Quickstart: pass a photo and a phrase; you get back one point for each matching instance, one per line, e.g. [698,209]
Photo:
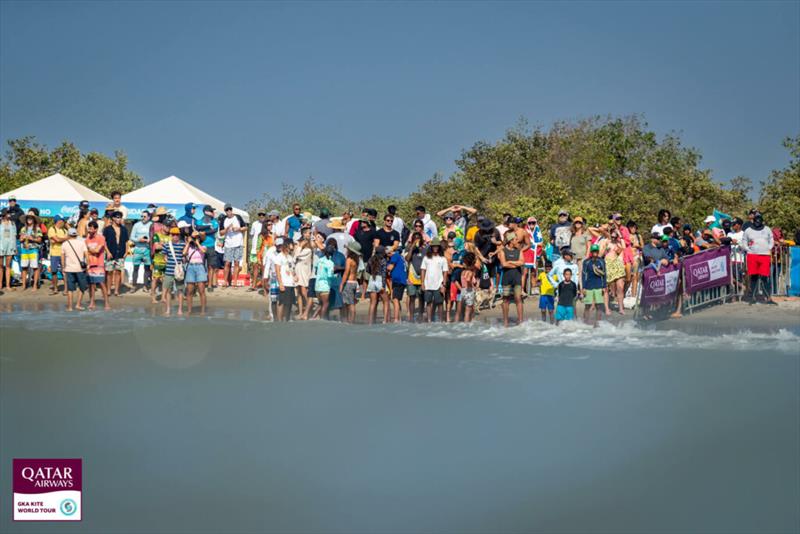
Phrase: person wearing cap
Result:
[511,262]
[171,285]
[96,268]
[8,247]
[140,243]
[30,244]
[233,231]
[757,242]
[57,234]
[15,212]
[208,227]
[434,271]
[560,234]
[750,216]
[737,255]
[321,230]
[654,254]
[254,233]
[83,209]
[449,226]
[117,238]
[196,274]
[286,278]
[531,254]
[74,258]
[116,200]
[593,285]
[579,244]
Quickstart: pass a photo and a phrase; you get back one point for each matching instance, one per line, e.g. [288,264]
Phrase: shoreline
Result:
[732,315]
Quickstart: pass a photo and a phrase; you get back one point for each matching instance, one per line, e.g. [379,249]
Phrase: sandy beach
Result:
[785,315]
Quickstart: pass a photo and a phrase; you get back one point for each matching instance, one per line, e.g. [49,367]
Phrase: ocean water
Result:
[231,424]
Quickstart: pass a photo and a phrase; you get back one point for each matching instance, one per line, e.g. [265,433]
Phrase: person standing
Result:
[757,242]
[429,226]
[321,227]
[8,247]
[434,272]
[196,276]
[255,265]
[74,259]
[116,200]
[97,253]
[30,244]
[349,282]
[172,284]
[140,238]
[398,225]
[159,236]
[324,278]
[593,285]
[304,263]
[116,236]
[387,237]
[15,213]
[567,292]
[188,216]
[233,231]
[285,273]
[57,234]
[560,234]
[208,228]
[512,262]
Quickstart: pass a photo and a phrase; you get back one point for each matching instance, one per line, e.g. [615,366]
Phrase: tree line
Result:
[592,167]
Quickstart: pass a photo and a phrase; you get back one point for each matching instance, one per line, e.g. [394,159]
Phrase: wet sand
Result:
[786,314]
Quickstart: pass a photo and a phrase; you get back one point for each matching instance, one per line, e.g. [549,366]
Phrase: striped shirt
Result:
[172,259]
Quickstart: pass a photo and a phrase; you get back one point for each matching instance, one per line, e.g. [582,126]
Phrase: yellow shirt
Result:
[55,248]
[471,231]
[545,287]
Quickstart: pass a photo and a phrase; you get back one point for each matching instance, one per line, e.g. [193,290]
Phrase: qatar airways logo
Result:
[657,285]
[47,489]
[700,272]
[48,477]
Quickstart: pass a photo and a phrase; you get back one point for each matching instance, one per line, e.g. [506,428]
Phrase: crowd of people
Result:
[319,267]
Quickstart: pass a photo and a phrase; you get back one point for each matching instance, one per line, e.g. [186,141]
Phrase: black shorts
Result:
[213,258]
[286,297]
[433,296]
[398,291]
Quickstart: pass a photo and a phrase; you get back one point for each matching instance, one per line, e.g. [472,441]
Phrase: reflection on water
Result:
[223,424]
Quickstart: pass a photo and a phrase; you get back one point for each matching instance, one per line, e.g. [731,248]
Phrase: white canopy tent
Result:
[173,193]
[54,195]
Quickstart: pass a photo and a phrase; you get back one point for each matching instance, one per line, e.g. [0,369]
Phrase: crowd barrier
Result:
[717,276]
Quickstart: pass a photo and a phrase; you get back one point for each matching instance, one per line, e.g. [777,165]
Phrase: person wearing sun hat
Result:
[30,245]
[434,270]
[56,234]
[159,236]
[579,244]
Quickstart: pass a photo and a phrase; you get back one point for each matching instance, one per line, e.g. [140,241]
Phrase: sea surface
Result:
[231,424]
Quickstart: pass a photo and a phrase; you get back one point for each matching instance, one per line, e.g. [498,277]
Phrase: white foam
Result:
[606,336]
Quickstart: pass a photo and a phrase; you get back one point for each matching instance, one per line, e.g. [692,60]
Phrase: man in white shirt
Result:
[397,225]
[429,226]
[270,279]
[285,274]
[233,230]
[434,268]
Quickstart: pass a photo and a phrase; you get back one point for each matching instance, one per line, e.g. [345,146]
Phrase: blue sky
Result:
[376,97]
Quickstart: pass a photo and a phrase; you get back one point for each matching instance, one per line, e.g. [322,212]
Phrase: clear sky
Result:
[238,97]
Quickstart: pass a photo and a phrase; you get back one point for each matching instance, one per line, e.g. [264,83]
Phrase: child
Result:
[546,293]
[434,272]
[376,284]
[398,280]
[567,292]
[468,283]
[349,284]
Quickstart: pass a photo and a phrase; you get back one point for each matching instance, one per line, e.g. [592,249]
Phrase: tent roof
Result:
[173,190]
[57,188]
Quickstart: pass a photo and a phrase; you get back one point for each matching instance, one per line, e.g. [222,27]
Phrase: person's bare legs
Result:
[411,307]
[201,288]
[7,271]
[92,288]
[520,311]
[236,267]
[605,300]
[24,278]
[180,302]
[302,303]
[106,296]
[189,298]
[386,304]
[505,307]
[117,282]
[373,308]
[167,299]
[324,302]
[226,271]
[36,273]
[619,287]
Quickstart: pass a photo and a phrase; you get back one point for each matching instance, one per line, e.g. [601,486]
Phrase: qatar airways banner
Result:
[660,287]
[47,489]
[707,269]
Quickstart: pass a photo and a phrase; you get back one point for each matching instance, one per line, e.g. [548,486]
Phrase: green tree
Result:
[311,196]
[27,161]
[780,193]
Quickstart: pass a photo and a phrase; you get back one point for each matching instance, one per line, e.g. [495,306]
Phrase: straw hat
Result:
[160,211]
[336,224]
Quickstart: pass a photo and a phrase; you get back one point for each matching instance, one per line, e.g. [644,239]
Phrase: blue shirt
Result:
[140,230]
[590,279]
[210,228]
[399,272]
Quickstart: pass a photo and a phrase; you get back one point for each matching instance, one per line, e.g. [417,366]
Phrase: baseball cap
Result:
[208,209]
[594,248]
[174,231]
[58,218]
[12,197]
[710,219]
[228,207]
[279,242]
[183,224]
[655,235]
[664,238]
[274,213]
[72,232]
[261,212]
[324,213]
[563,212]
